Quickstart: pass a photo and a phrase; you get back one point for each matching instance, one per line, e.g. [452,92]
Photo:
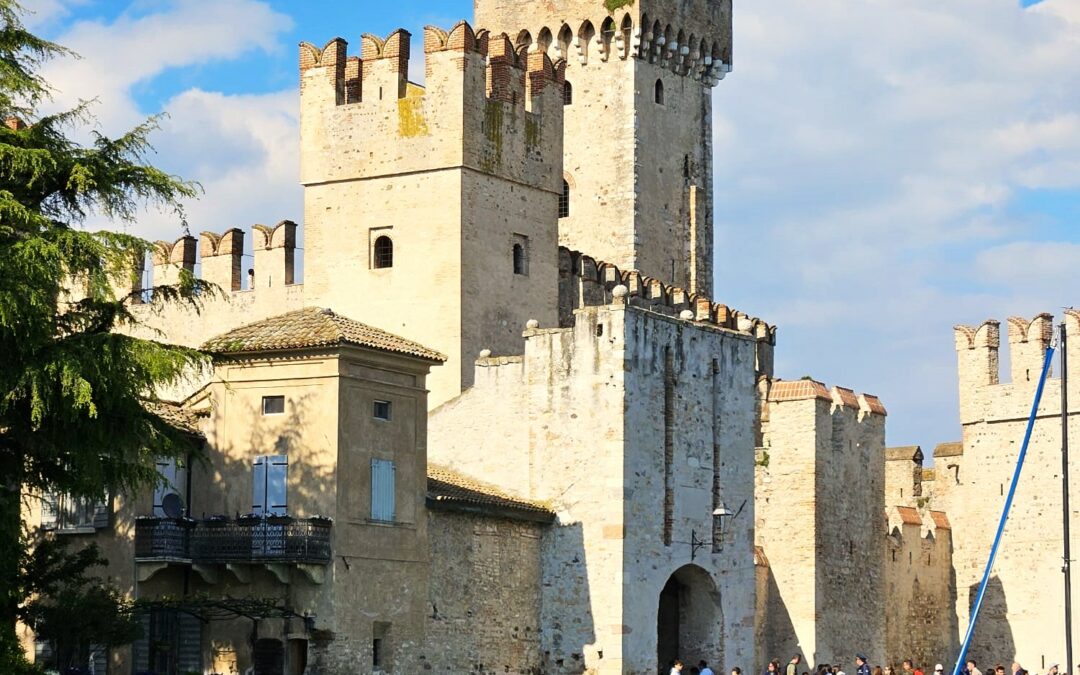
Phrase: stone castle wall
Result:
[634,426]
[653,198]
[1022,615]
[820,489]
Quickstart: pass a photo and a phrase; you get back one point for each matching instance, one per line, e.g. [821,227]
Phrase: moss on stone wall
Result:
[411,122]
[612,5]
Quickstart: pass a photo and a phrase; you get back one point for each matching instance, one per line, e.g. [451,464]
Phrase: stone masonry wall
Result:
[820,488]
[920,619]
[649,206]
[484,598]
[1022,615]
[626,513]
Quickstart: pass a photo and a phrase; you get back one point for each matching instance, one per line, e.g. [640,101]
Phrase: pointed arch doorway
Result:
[689,620]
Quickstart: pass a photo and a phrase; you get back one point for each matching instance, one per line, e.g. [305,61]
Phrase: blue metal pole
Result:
[962,658]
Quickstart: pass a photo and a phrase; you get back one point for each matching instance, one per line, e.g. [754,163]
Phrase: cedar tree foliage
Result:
[76,388]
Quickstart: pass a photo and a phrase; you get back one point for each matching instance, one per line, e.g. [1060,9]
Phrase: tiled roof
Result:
[905,452]
[953,449]
[795,390]
[176,416]
[941,520]
[448,488]
[875,405]
[313,327]
[845,397]
[909,515]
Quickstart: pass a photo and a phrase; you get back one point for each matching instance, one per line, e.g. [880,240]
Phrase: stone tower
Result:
[638,124]
[430,211]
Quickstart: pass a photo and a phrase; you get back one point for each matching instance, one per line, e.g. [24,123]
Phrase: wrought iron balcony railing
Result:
[246,540]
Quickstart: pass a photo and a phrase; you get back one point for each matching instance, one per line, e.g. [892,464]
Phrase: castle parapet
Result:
[221,257]
[586,282]
[1028,342]
[275,251]
[484,105]
[171,260]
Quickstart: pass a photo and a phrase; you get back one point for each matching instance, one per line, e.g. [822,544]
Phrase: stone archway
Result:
[689,620]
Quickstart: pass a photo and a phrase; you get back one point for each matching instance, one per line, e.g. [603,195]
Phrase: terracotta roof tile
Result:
[874,405]
[447,487]
[313,327]
[176,416]
[941,520]
[845,397]
[797,390]
[953,449]
[908,515]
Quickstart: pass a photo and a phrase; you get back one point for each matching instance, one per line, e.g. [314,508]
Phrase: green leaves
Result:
[77,386]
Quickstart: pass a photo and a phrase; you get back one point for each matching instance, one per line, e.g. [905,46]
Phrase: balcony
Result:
[298,541]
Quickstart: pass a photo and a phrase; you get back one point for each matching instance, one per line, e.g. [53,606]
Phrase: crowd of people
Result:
[862,667]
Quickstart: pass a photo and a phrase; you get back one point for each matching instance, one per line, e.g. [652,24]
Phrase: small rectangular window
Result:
[520,254]
[381,410]
[273,405]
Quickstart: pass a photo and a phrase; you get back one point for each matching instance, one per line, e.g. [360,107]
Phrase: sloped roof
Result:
[953,449]
[449,489]
[908,515]
[176,416]
[760,559]
[795,390]
[941,520]
[313,327]
[904,452]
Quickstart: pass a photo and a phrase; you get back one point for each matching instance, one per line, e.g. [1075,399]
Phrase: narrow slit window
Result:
[383,254]
[564,200]
[567,93]
[382,410]
[273,405]
[658,92]
[520,254]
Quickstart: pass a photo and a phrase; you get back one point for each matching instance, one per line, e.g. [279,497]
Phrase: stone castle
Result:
[503,425]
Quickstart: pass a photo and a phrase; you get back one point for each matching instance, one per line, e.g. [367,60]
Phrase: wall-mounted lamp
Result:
[720,515]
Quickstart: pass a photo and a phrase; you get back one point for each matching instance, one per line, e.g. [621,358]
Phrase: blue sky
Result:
[883,170]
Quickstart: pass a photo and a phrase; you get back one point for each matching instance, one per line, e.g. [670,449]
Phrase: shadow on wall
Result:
[993,640]
[566,603]
[689,619]
[780,640]
[224,485]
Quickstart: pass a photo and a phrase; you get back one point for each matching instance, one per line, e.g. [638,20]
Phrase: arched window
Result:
[384,253]
[567,93]
[519,259]
[564,200]
[658,92]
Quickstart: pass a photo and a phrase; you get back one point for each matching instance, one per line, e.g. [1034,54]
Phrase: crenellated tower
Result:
[638,124]
[429,210]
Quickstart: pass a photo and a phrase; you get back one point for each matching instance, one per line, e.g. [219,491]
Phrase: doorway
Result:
[689,620]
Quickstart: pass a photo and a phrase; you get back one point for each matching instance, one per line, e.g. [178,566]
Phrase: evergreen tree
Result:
[75,386]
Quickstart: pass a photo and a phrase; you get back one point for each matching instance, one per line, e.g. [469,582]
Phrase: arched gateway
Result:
[689,621]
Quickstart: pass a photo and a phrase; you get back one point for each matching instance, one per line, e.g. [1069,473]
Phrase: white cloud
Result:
[242,149]
[870,152]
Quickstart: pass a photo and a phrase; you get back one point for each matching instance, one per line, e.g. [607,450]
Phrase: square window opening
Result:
[382,410]
[273,405]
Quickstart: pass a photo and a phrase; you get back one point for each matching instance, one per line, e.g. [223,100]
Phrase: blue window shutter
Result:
[277,473]
[258,485]
[382,490]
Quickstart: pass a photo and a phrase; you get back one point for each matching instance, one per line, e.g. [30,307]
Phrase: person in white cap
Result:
[938,669]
